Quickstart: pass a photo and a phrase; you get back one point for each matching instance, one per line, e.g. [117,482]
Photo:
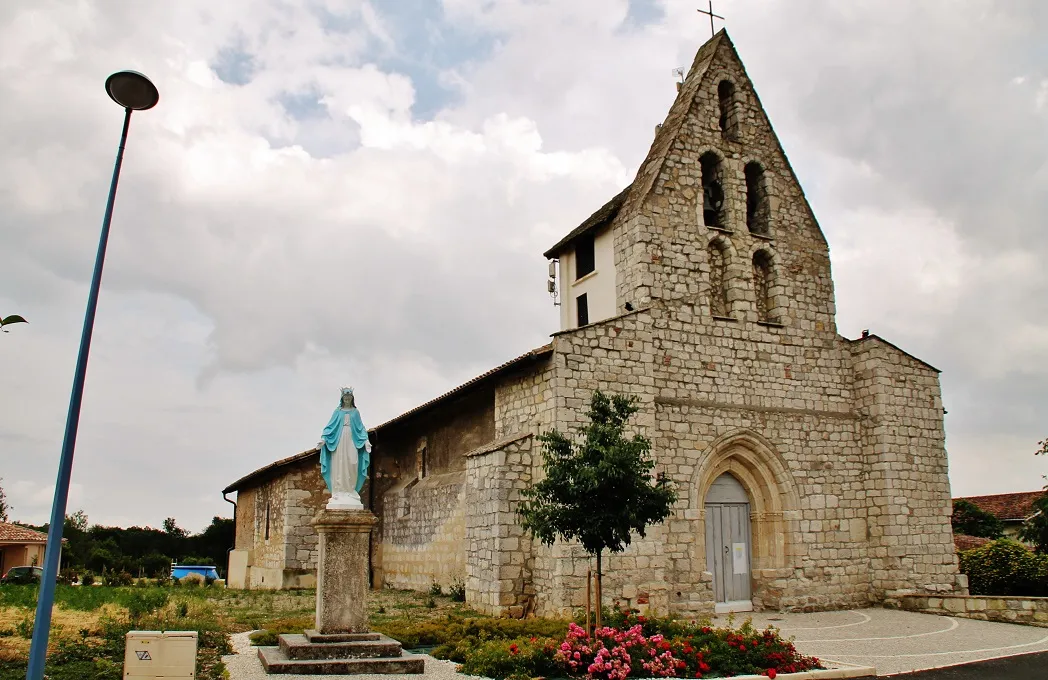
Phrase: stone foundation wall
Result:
[1031,611]
[498,553]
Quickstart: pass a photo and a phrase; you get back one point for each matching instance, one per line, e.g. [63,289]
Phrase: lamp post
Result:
[134,92]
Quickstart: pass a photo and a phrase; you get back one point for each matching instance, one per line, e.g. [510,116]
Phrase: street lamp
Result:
[134,92]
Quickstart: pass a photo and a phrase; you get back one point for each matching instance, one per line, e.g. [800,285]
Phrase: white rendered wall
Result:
[598,285]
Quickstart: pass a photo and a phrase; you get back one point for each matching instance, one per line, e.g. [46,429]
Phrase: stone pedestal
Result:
[341,643]
[342,570]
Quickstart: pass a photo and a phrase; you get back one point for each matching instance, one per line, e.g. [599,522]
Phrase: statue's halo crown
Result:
[347,390]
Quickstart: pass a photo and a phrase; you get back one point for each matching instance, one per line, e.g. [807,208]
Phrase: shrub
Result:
[117,579]
[523,657]
[457,591]
[182,610]
[87,579]
[619,653]
[140,604]
[1005,568]
[435,590]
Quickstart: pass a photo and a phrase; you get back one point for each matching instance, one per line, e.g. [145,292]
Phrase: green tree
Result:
[971,520]
[1036,528]
[5,507]
[171,527]
[599,489]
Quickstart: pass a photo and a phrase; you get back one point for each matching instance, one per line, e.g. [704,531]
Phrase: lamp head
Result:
[132,90]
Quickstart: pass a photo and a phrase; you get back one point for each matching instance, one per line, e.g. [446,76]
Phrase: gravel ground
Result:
[244,665]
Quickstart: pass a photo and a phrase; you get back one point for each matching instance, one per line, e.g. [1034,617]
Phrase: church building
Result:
[811,468]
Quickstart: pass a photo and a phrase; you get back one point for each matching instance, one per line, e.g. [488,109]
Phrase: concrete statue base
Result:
[341,643]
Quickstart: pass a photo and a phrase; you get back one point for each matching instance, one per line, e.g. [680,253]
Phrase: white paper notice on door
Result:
[739,563]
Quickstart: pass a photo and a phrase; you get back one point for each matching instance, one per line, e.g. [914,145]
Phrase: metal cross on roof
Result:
[712,15]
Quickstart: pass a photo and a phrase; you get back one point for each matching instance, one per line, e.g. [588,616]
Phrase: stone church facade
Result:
[811,468]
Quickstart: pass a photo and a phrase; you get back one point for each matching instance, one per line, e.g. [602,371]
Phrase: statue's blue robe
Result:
[329,443]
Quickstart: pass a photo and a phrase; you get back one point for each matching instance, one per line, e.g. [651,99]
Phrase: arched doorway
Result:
[729,543]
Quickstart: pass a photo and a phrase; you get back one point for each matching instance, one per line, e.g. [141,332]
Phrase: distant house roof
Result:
[273,469]
[966,542]
[12,533]
[1007,507]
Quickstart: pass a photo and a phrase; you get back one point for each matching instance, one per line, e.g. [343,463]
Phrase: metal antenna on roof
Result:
[712,15]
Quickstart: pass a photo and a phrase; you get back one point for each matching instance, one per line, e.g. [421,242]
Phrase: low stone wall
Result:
[1031,611]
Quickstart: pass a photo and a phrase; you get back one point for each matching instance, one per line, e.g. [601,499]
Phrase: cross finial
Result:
[712,15]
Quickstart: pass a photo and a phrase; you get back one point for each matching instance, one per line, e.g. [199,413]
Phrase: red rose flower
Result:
[771,673]
[513,649]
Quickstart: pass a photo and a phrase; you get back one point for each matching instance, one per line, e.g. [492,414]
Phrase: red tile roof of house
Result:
[1016,507]
[966,542]
[12,533]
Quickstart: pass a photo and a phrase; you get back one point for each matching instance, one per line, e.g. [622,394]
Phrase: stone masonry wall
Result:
[772,400]
[499,555]
[306,495]
[267,566]
[245,524]
[423,539]
[1031,611]
[907,488]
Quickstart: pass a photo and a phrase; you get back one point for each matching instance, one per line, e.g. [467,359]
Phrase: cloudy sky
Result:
[344,192]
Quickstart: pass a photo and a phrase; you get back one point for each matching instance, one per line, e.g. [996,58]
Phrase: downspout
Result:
[233,547]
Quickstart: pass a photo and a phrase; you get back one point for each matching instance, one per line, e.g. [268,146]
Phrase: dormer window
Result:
[585,262]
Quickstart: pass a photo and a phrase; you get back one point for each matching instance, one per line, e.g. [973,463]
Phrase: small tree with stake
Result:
[600,489]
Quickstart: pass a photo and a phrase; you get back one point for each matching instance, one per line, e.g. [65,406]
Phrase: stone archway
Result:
[774,504]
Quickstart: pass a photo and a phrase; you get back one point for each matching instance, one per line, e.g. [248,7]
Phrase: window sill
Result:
[763,237]
[771,324]
[720,229]
[584,277]
[725,318]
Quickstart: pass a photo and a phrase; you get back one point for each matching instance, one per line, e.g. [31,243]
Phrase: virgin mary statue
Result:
[345,453]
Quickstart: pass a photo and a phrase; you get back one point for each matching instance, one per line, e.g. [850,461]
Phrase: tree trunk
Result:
[600,590]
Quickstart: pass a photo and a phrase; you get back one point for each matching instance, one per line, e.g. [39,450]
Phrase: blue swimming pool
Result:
[180,571]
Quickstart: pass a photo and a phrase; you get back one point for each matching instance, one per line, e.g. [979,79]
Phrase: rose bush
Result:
[639,647]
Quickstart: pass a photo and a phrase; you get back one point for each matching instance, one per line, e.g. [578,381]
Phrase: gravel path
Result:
[244,665]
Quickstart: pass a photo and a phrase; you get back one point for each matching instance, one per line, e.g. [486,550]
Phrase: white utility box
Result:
[153,654]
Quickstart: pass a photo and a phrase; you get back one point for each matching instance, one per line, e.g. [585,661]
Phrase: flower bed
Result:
[635,647]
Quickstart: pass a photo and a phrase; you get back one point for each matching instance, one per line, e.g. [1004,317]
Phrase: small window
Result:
[728,120]
[582,308]
[762,282]
[584,258]
[712,191]
[424,462]
[756,199]
[267,521]
[718,279]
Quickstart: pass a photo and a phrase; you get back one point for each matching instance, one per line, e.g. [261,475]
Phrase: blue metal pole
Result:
[46,598]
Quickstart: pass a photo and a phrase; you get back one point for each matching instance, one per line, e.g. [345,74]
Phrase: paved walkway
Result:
[895,641]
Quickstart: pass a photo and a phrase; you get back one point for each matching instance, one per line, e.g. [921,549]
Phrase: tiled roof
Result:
[527,357]
[966,542]
[12,533]
[271,469]
[595,221]
[1016,507]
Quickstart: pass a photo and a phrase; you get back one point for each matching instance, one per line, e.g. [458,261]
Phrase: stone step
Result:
[314,636]
[275,661]
[299,647]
